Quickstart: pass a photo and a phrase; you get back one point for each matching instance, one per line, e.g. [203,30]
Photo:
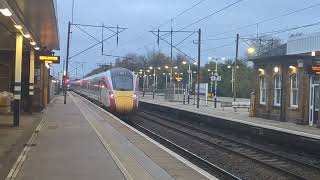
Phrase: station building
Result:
[287,82]
[27,29]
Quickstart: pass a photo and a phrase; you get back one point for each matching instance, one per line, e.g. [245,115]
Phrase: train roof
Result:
[113,70]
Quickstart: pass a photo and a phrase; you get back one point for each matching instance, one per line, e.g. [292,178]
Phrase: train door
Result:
[314,101]
[103,94]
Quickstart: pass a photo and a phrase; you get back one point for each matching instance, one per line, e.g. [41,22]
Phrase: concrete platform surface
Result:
[242,116]
[13,139]
[82,141]
[67,148]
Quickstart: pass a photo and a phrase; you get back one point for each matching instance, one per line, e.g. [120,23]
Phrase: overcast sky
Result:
[141,16]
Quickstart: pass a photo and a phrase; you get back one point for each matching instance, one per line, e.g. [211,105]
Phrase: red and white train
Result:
[116,89]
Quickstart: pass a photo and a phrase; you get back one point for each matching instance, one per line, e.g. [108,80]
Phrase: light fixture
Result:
[229,67]
[17,26]
[223,58]
[33,43]
[195,63]
[300,63]
[292,67]
[261,70]
[150,67]
[6,12]
[47,65]
[166,67]
[159,68]
[184,62]
[148,70]
[313,53]
[209,70]
[176,67]
[36,48]
[209,58]
[276,69]
[251,50]
[26,35]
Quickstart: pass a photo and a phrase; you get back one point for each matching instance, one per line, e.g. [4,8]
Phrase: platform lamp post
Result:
[154,84]
[171,71]
[189,79]
[215,76]
[233,79]
[143,81]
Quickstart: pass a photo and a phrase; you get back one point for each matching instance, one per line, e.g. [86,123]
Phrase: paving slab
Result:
[67,148]
[13,139]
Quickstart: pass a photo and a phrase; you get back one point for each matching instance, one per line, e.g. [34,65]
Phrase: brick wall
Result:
[284,112]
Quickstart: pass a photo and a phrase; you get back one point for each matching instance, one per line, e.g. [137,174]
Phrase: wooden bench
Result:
[225,104]
[236,105]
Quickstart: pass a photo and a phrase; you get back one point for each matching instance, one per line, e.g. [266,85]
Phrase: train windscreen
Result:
[122,83]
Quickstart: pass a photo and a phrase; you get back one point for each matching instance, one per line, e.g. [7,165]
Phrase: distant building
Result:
[287,88]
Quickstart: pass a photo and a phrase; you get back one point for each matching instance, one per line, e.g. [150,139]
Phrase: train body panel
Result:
[116,89]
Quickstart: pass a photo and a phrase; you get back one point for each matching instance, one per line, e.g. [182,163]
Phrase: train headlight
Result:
[111,94]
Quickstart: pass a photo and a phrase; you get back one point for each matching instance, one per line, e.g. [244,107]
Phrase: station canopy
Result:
[38,18]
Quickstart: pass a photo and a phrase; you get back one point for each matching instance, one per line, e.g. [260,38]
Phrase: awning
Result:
[37,17]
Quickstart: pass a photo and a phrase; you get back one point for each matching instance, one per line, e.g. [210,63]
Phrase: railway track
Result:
[285,165]
[210,167]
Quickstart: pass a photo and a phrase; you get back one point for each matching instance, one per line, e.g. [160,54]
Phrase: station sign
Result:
[312,69]
[215,78]
[51,59]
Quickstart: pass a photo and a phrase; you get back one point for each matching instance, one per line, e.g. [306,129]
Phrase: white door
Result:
[314,104]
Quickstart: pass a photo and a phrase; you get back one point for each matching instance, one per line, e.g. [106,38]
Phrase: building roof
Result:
[304,43]
[282,58]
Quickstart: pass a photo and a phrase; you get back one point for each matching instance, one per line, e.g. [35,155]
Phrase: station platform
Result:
[80,140]
[13,139]
[241,116]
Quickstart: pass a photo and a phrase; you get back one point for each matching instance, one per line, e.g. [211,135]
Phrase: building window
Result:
[294,95]
[263,90]
[277,90]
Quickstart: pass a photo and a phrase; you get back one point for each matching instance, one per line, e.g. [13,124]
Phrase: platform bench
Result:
[236,105]
[225,104]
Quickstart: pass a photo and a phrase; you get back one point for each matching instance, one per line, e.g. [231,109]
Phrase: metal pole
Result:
[189,83]
[189,79]
[232,79]
[154,82]
[171,43]
[198,75]
[31,80]
[147,82]
[143,83]
[235,70]
[170,74]
[17,80]
[211,82]
[67,62]
[215,85]
[166,80]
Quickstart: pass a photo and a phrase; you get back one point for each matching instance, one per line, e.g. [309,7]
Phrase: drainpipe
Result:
[283,100]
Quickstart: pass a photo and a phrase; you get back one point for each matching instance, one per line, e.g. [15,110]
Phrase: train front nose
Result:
[124,101]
